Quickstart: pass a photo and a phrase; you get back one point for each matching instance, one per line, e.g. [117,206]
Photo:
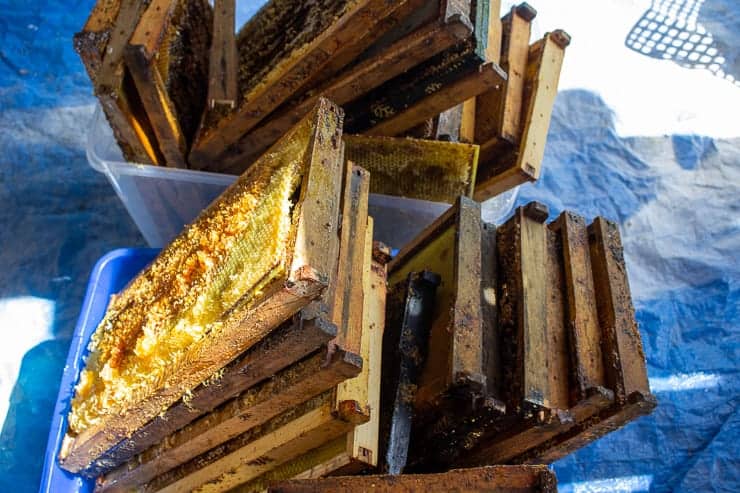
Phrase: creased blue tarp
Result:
[676,198]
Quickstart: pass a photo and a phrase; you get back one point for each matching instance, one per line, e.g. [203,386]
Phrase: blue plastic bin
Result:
[109,276]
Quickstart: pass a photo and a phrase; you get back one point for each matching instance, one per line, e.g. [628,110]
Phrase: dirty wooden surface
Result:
[497,479]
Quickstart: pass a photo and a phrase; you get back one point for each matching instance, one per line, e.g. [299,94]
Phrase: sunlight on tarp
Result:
[685,381]
[25,322]
[620,484]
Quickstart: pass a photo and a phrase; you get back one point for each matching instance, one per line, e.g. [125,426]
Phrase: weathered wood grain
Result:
[499,114]
[405,346]
[496,479]
[285,390]
[450,247]
[100,46]
[503,167]
[257,451]
[582,319]
[625,365]
[223,89]
[438,97]
[167,56]
[294,340]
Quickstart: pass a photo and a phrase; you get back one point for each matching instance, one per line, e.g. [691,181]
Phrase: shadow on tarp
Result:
[691,333]
[59,217]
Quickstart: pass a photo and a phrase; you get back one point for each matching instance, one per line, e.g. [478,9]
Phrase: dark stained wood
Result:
[259,450]
[273,69]
[444,82]
[355,81]
[588,294]
[167,56]
[624,357]
[582,318]
[285,390]
[496,479]
[100,46]
[450,247]
[408,323]
[91,41]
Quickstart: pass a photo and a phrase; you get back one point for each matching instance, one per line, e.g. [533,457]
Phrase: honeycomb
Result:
[222,261]
[419,169]
[280,32]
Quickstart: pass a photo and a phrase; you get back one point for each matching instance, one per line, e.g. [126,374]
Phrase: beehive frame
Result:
[153,59]
[100,45]
[288,72]
[329,416]
[420,33]
[309,268]
[503,166]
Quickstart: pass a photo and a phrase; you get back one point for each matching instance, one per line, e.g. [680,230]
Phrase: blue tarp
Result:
[676,197]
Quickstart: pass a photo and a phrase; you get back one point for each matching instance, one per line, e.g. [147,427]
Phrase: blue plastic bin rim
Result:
[108,271]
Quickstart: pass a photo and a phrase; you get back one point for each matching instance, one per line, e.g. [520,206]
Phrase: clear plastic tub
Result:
[162,200]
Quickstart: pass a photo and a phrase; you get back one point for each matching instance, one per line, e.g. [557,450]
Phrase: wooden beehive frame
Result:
[100,45]
[312,267]
[486,479]
[293,341]
[459,425]
[592,379]
[451,247]
[502,166]
[288,75]
[358,450]
[446,80]
[459,123]
[151,42]
[278,392]
[446,29]
[624,359]
[498,115]
[324,418]
[414,168]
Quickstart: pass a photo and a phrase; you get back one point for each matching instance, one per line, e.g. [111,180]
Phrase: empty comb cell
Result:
[419,169]
[261,252]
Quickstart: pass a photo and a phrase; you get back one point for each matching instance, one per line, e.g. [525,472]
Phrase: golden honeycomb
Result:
[240,244]
[419,169]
